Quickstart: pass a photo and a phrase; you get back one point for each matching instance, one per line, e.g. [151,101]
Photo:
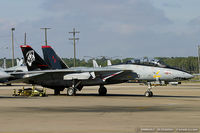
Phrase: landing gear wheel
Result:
[71,91]
[102,91]
[148,93]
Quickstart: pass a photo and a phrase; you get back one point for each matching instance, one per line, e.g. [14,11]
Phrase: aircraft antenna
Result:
[74,41]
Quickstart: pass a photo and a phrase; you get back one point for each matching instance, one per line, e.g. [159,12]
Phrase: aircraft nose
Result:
[188,76]
[4,75]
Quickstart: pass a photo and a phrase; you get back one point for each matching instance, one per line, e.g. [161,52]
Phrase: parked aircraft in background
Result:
[20,67]
[4,76]
[5,72]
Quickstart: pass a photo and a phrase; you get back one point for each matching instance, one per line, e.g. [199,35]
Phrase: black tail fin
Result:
[32,59]
[52,59]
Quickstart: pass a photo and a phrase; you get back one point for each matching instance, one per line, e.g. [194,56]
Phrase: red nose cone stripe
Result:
[25,46]
[46,46]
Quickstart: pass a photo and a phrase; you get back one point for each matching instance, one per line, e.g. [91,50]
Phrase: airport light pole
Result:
[74,41]
[12,37]
[45,29]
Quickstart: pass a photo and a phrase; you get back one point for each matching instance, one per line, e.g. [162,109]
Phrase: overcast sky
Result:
[127,28]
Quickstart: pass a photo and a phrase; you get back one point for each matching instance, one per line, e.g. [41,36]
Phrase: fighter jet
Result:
[20,67]
[5,75]
[149,72]
[40,73]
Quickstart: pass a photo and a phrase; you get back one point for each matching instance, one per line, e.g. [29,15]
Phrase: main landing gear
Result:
[149,93]
[71,91]
[102,90]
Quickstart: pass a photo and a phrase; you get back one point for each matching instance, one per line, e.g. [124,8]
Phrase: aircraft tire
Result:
[71,91]
[102,91]
[148,93]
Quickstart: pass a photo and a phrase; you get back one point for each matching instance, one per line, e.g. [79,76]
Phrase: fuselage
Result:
[154,73]
[139,72]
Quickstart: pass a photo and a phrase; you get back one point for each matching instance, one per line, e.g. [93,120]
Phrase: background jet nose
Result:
[4,75]
[189,76]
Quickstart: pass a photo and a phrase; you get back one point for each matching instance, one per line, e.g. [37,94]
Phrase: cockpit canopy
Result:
[151,62]
[147,62]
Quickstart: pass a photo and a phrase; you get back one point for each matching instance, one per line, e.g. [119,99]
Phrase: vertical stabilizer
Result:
[52,59]
[32,59]
[20,61]
[95,63]
[109,63]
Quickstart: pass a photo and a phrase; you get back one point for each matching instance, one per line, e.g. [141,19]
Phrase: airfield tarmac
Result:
[123,110]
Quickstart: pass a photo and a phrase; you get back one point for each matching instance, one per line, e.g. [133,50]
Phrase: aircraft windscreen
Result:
[147,62]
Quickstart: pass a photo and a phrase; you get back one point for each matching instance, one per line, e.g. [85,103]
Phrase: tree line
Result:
[189,64]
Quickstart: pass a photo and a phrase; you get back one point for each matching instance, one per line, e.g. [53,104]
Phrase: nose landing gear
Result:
[71,91]
[149,93]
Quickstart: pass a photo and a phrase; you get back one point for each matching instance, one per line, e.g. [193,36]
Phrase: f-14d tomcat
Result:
[40,73]
[147,71]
